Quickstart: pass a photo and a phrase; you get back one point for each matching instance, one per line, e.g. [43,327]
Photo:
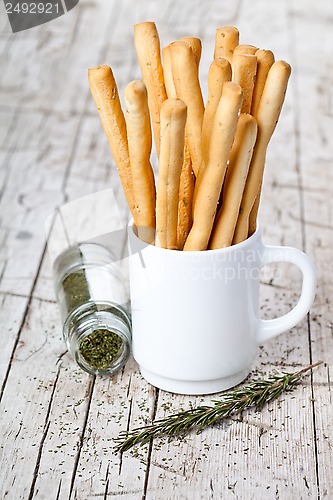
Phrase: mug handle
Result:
[272,327]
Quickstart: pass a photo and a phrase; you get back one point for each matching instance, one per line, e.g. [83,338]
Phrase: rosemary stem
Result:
[256,394]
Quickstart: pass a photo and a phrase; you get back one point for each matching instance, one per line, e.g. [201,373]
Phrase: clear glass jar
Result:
[93,302]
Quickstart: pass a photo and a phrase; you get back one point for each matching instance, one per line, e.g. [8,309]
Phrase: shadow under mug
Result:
[195,315]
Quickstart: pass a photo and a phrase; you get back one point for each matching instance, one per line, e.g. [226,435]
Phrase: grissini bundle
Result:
[187,206]
[147,44]
[219,73]
[186,80]
[139,146]
[173,119]
[244,68]
[105,93]
[233,186]
[245,48]
[268,114]
[209,188]
[196,46]
[226,39]
[265,59]
[186,184]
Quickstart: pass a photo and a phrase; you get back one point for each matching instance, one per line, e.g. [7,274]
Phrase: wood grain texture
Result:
[57,423]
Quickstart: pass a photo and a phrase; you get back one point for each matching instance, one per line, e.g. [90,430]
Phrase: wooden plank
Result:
[87,470]
[31,192]
[43,180]
[32,400]
[314,119]
[12,309]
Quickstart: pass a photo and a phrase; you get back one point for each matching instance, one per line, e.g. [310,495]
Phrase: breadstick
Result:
[245,49]
[105,93]
[185,75]
[254,213]
[233,187]
[196,46]
[139,146]
[226,39]
[186,184]
[186,191]
[167,69]
[207,195]
[147,44]
[268,114]
[173,118]
[265,59]
[219,72]
[244,67]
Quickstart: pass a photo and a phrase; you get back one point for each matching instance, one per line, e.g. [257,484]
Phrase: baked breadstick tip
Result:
[226,40]
[196,46]
[245,49]
[147,44]
[139,145]
[105,93]
[207,192]
[173,119]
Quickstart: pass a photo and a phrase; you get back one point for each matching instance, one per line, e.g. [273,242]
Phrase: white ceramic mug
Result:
[195,315]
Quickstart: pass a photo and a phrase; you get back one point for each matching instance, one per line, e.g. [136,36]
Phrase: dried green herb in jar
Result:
[101,348]
[76,289]
[92,297]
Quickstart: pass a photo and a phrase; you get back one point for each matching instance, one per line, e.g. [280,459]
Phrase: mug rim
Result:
[238,246]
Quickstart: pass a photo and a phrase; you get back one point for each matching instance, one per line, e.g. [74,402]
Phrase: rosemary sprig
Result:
[256,394]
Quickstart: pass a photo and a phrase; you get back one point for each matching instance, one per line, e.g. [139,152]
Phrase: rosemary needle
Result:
[254,395]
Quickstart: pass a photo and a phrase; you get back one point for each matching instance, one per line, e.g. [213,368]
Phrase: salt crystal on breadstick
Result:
[245,49]
[244,68]
[196,46]
[219,73]
[233,186]
[105,93]
[173,119]
[147,46]
[267,117]
[265,59]
[139,146]
[186,79]
[209,188]
[226,39]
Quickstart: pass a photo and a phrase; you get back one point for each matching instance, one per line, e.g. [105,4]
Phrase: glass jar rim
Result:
[82,322]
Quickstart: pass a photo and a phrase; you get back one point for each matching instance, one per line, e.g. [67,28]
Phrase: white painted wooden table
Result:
[57,423]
